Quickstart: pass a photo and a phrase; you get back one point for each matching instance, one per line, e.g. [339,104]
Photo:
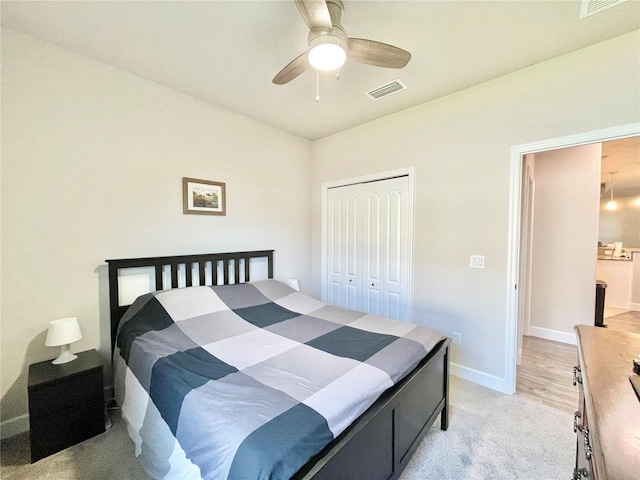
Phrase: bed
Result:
[201,305]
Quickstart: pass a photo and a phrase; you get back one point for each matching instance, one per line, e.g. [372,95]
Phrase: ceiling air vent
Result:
[591,7]
[385,90]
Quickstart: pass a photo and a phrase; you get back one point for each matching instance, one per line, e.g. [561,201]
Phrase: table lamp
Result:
[63,332]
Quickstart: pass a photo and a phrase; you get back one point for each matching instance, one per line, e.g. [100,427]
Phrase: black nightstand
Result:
[66,403]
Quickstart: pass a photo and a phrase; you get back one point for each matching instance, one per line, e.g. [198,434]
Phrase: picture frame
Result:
[203,197]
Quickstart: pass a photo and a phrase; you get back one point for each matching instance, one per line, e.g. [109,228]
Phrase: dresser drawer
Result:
[51,398]
[66,427]
[584,466]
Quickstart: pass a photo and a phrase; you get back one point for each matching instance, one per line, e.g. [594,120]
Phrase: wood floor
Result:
[627,322]
[546,371]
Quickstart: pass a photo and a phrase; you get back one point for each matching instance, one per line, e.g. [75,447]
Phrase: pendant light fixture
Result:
[611,204]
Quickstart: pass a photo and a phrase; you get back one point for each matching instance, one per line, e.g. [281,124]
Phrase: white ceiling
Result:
[227,52]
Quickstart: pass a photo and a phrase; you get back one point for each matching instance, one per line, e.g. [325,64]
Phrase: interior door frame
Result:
[373,177]
[526,244]
[513,251]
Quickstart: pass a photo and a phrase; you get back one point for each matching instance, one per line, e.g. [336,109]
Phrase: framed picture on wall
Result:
[203,197]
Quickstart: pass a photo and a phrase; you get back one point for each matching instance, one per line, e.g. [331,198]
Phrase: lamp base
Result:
[65,355]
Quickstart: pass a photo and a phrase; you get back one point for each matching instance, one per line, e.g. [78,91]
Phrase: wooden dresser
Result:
[607,422]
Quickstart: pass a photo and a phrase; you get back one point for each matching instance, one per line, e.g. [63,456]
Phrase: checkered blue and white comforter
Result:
[250,381]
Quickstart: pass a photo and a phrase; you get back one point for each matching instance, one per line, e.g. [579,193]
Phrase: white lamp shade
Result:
[63,331]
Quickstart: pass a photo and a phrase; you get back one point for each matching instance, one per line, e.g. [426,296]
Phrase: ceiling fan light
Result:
[326,53]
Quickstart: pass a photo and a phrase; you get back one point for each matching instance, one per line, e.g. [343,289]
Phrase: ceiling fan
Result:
[329,45]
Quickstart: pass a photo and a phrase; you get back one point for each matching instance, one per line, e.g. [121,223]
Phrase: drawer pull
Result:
[577,427]
[576,378]
[579,473]
[588,451]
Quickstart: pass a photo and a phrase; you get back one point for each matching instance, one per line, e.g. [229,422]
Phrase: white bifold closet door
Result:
[368,247]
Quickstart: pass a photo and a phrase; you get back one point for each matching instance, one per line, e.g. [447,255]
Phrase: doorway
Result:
[515,229]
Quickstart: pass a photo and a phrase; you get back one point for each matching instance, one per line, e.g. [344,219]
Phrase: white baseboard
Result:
[554,335]
[481,378]
[622,306]
[635,307]
[14,426]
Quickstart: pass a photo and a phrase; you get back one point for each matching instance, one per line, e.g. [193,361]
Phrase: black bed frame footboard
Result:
[377,445]
[380,443]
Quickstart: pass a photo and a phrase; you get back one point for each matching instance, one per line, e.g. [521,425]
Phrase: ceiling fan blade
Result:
[297,66]
[376,53]
[315,14]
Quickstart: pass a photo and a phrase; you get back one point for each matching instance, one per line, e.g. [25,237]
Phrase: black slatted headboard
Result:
[175,263]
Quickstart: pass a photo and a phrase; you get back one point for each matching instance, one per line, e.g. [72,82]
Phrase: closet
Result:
[368,247]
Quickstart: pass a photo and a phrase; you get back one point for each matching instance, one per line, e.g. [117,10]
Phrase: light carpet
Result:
[496,436]
[490,436]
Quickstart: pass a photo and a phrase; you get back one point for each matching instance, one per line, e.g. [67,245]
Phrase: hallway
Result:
[546,371]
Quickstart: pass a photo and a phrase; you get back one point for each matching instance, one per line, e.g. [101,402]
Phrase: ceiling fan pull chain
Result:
[338,74]
[317,86]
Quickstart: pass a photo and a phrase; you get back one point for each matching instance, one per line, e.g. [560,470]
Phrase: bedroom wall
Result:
[565,240]
[92,162]
[460,146]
